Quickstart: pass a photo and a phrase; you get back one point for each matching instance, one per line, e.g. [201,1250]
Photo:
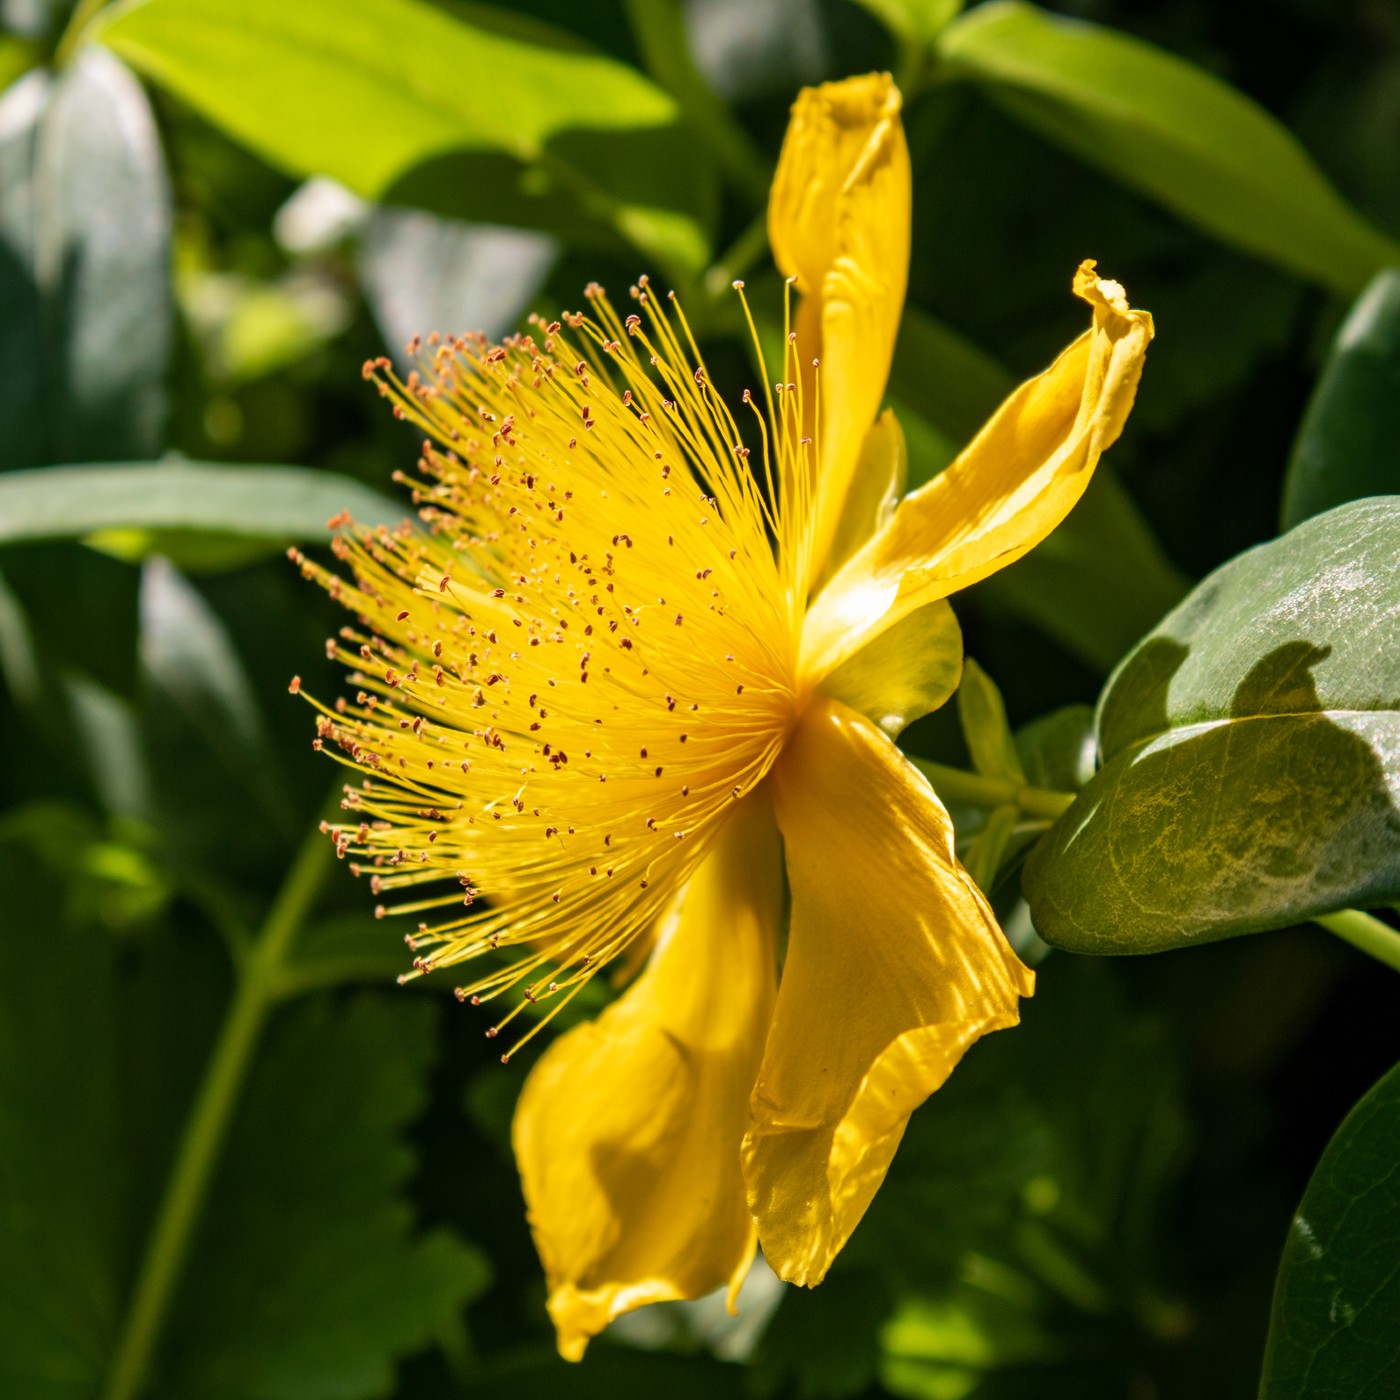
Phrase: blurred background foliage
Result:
[210,215]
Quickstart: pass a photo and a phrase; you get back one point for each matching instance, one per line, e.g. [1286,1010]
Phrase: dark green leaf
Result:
[1251,754]
[1171,130]
[1099,582]
[185,508]
[84,267]
[1058,750]
[366,94]
[915,21]
[1349,444]
[307,1277]
[1337,1304]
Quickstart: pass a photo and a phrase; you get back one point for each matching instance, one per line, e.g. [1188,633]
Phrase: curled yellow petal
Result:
[628,1130]
[1006,491]
[895,965]
[838,220]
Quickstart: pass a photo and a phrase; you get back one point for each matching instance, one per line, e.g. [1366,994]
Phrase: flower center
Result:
[567,682]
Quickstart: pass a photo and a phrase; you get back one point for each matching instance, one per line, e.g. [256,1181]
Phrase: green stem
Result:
[659,28]
[259,976]
[83,15]
[1366,932]
[741,255]
[981,791]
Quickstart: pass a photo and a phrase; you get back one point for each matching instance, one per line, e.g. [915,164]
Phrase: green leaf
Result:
[1171,130]
[1099,582]
[85,220]
[1349,443]
[1337,1302]
[218,797]
[983,718]
[307,1276]
[915,21]
[307,1279]
[366,94]
[1058,750]
[190,511]
[1251,754]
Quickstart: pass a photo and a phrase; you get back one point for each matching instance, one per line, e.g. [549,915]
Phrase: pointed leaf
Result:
[1349,443]
[1171,130]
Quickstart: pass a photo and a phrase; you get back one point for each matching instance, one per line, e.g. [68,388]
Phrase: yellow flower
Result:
[648,658]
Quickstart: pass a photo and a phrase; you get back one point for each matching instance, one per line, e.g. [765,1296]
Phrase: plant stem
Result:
[659,28]
[83,15]
[982,791]
[258,980]
[1366,932]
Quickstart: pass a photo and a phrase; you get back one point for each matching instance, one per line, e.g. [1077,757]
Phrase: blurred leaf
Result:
[364,95]
[355,947]
[421,273]
[106,730]
[307,1277]
[916,21]
[745,51]
[610,1372]
[84,267]
[1337,1304]
[1058,750]
[1349,442]
[945,378]
[1099,582]
[1171,130]
[191,511]
[1251,754]
[217,794]
[985,730]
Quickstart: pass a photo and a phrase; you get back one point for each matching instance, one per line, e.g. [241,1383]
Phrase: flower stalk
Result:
[1365,931]
[958,785]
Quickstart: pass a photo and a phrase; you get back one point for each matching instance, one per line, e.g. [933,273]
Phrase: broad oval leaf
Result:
[1337,1302]
[366,93]
[1173,131]
[1349,443]
[187,502]
[1250,751]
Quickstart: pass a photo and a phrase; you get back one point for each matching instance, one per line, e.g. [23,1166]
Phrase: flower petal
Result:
[1005,492]
[838,220]
[895,965]
[628,1130]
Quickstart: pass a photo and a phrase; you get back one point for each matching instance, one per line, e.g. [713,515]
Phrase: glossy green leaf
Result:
[1172,130]
[1337,1302]
[186,508]
[367,93]
[85,305]
[1349,442]
[1058,750]
[1251,754]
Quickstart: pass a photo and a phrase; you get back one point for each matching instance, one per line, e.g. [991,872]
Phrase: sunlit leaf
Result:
[1337,1302]
[1251,754]
[1171,130]
[183,509]
[1349,443]
[366,93]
